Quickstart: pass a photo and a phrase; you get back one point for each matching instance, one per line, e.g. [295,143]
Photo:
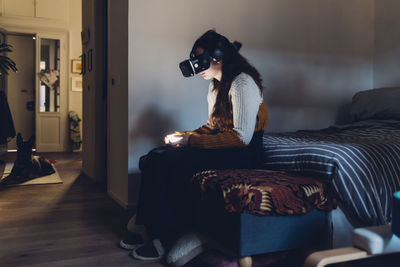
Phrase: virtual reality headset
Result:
[214,46]
[197,64]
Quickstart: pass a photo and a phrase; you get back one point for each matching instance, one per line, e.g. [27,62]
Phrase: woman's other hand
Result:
[171,138]
[176,139]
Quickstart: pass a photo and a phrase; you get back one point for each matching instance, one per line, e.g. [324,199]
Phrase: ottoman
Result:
[259,211]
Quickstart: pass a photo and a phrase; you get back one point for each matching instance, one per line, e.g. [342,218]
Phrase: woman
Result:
[232,138]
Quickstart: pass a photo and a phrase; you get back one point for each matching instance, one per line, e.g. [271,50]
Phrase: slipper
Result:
[186,248]
[132,241]
[149,252]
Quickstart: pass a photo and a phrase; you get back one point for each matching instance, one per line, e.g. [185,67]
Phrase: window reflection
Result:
[49,75]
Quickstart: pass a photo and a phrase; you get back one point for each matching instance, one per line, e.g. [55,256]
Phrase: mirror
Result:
[49,75]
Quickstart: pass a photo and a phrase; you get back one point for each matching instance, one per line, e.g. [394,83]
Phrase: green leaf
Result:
[6,63]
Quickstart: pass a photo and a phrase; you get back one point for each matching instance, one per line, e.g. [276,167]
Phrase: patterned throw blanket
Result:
[262,192]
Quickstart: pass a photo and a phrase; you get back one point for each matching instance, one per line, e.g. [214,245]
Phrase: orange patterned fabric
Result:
[263,192]
[209,138]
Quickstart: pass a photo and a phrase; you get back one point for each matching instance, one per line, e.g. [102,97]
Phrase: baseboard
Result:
[124,204]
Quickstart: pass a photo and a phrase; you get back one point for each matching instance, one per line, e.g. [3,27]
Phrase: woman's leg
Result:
[164,175]
[137,232]
[164,203]
[155,199]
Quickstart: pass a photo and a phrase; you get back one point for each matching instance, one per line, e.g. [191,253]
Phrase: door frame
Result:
[63,36]
[62,114]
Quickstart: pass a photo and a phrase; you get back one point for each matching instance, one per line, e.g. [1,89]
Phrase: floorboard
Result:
[70,224]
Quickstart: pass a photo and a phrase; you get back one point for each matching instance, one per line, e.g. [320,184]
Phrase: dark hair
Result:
[233,63]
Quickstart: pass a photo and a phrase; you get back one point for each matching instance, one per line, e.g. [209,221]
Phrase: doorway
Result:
[52,91]
[38,92]
[21,86]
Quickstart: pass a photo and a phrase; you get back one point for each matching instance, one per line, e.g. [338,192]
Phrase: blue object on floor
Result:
[396,214]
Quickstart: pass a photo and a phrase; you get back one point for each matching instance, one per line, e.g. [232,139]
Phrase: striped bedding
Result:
[362,160]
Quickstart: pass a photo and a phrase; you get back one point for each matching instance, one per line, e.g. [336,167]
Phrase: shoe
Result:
[149,252]
[186,248]
[132,241]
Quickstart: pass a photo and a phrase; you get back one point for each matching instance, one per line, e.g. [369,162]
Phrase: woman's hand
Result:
[176,139]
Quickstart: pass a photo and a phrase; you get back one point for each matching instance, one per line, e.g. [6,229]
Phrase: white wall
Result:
[313,56]
[387,43]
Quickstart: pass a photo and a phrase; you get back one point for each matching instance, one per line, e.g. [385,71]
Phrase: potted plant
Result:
[6,63]
[7,130]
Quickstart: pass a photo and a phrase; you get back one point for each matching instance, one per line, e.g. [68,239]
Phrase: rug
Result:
[49,179]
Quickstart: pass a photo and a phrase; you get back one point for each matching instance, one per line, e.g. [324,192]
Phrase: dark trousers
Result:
[165,206]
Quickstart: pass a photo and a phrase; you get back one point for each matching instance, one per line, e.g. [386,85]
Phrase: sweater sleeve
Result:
[246,99]
[225,139]
[205,129]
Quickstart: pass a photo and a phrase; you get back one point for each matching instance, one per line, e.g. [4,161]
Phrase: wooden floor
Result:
[69,224]
[75,224]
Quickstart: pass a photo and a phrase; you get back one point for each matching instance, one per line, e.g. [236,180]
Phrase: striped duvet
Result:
[362,160]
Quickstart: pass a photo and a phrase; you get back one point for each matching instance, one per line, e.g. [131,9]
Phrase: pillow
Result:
[380,104]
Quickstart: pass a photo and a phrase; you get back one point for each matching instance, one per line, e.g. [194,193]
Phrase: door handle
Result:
[30,105]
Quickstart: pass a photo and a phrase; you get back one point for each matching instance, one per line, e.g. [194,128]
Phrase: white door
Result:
[21,86]
[51,93]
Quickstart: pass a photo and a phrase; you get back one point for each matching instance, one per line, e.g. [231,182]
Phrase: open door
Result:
[51,93]
[94,145]
[21,86]
[3,85]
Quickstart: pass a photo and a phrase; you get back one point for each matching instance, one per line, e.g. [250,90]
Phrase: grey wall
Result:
[313,56]
[387,43]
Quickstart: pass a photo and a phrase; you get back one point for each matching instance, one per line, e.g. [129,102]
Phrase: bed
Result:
[362,161]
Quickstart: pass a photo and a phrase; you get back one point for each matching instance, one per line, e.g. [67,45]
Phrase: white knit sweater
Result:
[246,98]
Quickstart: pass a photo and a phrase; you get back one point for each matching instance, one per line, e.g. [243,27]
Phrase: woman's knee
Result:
[167,155]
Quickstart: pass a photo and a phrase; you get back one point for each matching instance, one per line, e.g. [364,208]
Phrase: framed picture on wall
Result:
[76,84]
[76,66]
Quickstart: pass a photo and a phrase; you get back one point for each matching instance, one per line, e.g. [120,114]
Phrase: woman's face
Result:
[215,69]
